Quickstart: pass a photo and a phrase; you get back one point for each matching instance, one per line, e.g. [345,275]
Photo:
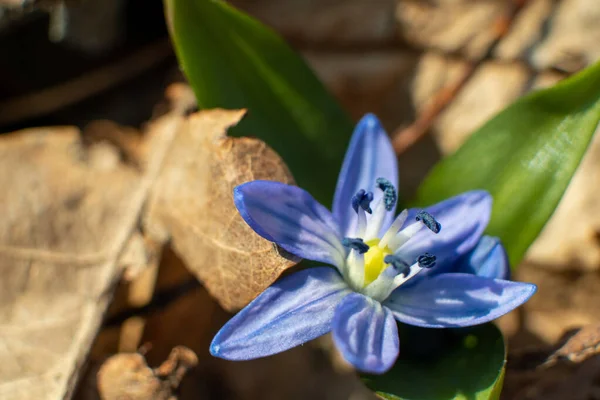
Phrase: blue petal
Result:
[457,300]
[463,219]
[366,334]
[292,218]
[488,259]
[370,155]
[292,311]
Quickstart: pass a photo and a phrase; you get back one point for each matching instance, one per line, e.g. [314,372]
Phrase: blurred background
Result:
[432,70]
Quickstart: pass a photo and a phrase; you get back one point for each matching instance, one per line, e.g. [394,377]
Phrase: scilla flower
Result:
[425,267]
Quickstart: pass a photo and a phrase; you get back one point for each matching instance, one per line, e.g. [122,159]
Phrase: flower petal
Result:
[463,219]
[292,218]
[488,259]
[292,311]
[457,300]
[366,334]
[370,155]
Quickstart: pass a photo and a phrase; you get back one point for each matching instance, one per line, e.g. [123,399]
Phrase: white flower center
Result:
[374,266]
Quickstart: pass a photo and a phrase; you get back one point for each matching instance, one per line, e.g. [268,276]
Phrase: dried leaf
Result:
[192,204]
[545,33]
[559,382]
[136,257]
[127,376]
[69,209]
[450,25]
[581,346]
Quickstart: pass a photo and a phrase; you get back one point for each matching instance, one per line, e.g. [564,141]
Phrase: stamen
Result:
[429,221]
[404,236]
[399,265]
[388,281]
[362,199]
[356,270]
[361,223]
[394,228]
[389,193]
[356,244]
[426,260]
[375,222]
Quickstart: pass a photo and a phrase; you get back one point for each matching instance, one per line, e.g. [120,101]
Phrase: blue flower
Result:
[430,268]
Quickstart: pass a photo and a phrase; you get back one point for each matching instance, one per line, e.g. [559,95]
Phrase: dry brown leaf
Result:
[68,212]
[126,376]
[545,34]
[71,206]
[192,204]
[571,372]
[584,344]
[450,25]
[562,381]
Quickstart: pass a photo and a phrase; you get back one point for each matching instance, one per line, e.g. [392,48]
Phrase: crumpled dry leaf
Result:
[192,204]
[559,382]
[126,376]
[450,25]
[545,34]
[69,209]
[568,370]
[584,344]
[71,206]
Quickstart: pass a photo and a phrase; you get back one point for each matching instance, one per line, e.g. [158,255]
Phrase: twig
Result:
[404,138]
[82,87]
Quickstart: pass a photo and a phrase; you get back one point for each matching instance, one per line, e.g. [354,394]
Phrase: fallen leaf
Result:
[450,25]
[558,382]
[126,376]
[192,205]
[72,203]
[69,208]
[545,33]
[584,344]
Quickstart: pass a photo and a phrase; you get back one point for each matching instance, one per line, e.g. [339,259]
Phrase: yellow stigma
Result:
[374,264]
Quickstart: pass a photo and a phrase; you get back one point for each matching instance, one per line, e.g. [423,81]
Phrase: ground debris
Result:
[583,344]
[568,370]
[127,376]
[70,208]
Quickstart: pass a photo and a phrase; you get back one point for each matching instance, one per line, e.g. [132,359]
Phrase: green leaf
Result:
[233,61]
[470,366]
[525,157]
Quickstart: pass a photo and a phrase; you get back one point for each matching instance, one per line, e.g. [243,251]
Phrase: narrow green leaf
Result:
[469,367]
[233,61]
[525,157]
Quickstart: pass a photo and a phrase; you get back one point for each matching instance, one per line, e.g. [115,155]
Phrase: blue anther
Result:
[429,221]
[362,199]
[389,193]
[426,260]
[356,244]
[399,265]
